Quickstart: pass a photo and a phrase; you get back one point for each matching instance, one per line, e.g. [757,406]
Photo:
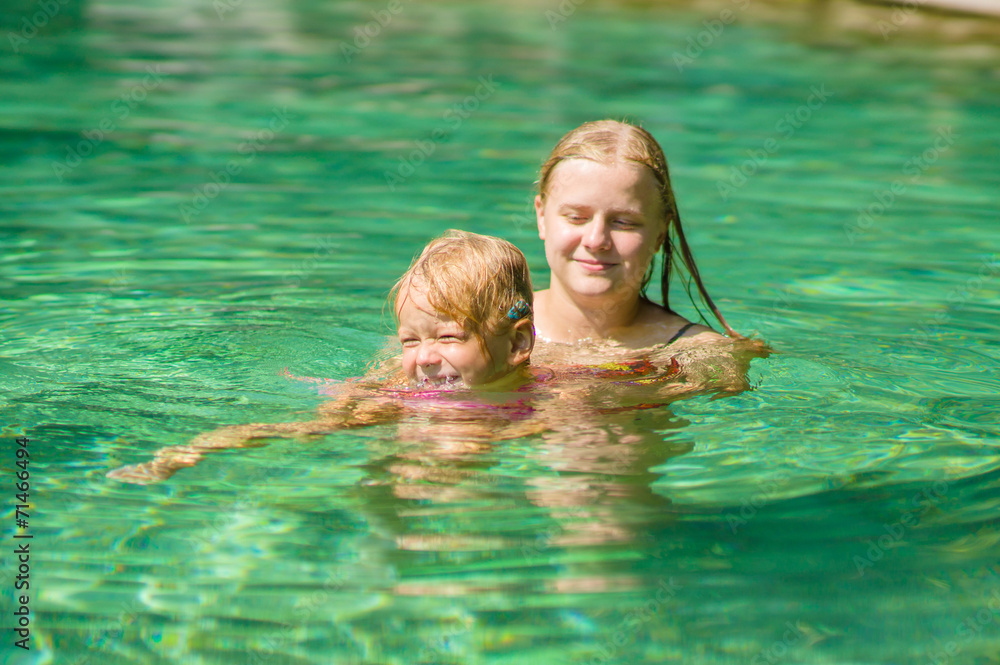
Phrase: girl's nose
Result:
[596,235]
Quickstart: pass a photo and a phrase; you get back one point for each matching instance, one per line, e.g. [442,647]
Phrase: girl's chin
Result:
[595,289]
[598,286]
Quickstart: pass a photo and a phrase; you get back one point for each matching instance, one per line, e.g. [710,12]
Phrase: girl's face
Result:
[438,350]
[602,226]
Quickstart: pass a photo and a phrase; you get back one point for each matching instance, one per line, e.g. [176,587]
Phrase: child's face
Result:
[602,224]
[437,350]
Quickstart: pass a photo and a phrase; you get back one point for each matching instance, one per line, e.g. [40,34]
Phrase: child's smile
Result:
[439,351]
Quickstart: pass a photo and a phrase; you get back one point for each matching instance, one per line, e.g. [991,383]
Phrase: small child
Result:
[464,313]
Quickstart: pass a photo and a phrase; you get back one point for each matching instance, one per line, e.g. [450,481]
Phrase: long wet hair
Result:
[610,141]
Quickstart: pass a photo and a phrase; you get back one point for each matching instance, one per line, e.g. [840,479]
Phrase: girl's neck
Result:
[570,318]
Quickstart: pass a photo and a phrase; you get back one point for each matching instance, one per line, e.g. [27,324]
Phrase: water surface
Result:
[193,203]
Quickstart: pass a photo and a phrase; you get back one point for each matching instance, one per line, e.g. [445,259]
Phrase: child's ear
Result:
[540,216]
[522,341]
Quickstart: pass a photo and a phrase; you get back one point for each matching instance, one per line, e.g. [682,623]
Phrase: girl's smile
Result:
[592,265]
[602,225]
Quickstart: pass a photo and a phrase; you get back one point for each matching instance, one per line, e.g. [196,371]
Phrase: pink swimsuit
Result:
[636,372]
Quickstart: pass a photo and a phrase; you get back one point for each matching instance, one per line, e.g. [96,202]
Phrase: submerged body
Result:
[448,419]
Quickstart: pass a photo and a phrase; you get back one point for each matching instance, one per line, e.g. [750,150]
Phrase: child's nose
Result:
[427,355]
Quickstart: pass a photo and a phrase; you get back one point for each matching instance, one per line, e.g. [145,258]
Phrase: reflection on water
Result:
[596,461]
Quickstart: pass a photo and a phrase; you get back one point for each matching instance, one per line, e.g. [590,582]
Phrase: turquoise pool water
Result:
[194,199]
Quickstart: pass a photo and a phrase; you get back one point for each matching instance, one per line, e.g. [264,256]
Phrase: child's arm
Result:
[166,461]
[347,411]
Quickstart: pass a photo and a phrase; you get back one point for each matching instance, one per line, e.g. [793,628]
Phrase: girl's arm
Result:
[713,368]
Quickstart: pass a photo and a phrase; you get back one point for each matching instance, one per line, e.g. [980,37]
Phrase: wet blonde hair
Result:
[610,141]
[472,279]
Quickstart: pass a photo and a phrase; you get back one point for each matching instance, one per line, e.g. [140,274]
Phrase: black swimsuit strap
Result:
[679,333]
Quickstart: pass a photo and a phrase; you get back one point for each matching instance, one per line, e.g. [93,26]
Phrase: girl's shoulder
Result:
[659,325]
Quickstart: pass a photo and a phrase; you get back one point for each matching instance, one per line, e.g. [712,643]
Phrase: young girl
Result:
[605,207]
[464,310]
